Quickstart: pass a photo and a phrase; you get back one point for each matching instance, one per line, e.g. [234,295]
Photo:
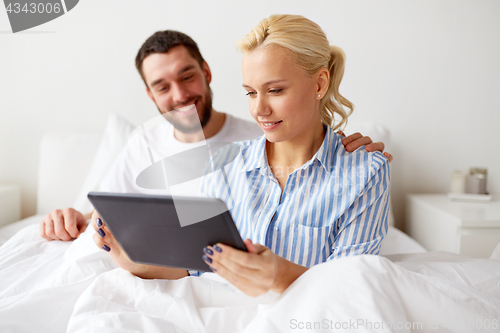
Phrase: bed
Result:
[75,287]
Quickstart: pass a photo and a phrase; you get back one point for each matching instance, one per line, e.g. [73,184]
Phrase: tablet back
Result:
[148,229]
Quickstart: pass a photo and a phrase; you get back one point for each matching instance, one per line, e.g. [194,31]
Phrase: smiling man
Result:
[177,80]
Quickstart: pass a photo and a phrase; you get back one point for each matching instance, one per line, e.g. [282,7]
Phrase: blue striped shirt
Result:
[335,205]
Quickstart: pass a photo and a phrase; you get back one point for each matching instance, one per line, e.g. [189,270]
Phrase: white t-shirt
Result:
[153,141]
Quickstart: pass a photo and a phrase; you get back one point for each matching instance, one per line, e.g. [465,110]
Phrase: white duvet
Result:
[75,287]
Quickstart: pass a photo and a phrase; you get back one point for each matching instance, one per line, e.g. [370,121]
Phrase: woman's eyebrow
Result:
[267,83]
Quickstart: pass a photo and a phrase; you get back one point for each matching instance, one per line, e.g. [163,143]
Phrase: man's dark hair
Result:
[162,42]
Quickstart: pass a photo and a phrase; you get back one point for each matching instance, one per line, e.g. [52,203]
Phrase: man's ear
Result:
[150,94]
[323,81]
[207,72]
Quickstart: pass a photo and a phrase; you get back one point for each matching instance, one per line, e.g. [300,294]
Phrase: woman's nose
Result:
[261,107]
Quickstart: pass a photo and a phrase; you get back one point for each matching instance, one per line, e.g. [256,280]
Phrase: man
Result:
[176,76]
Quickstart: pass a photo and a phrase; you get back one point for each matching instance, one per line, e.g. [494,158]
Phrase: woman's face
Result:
[282,98]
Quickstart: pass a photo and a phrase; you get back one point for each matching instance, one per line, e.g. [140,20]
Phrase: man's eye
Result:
[187,77]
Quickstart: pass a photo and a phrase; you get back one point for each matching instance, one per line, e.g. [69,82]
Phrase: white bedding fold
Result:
[119,300]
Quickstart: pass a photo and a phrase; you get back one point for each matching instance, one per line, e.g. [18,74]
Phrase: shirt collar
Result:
[327,150]
[256,154]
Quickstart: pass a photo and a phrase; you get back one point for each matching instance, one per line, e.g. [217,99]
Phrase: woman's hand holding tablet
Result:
[105,240]
[254,272]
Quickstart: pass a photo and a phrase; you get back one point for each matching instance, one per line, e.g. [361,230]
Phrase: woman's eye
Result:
[250,93]
[275,91]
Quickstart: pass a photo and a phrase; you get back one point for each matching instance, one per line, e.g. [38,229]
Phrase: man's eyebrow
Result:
[154,83]
[268,83]
[182,70]
[185,69]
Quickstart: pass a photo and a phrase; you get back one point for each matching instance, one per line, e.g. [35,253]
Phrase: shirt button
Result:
[276,228]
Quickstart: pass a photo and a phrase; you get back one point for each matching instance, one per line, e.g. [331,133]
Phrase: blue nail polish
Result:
[101,232]
[213,269]
[216,248]
[208,251]
[106,248]
[207,259]
[98,222]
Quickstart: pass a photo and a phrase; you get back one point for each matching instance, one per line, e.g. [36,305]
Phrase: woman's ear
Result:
[323,82]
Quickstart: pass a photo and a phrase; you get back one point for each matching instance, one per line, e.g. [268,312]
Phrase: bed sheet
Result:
[75,287]
[9,230]
[42,280]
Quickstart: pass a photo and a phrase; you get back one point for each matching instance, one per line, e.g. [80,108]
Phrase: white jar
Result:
[458,182]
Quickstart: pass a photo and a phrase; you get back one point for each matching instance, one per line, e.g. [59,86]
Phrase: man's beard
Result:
[199,122]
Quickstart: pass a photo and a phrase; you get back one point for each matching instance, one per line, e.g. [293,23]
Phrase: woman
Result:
[292,77]
[296,195]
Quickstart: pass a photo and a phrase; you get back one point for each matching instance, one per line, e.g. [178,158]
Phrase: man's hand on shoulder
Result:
[356,140]
[63,224]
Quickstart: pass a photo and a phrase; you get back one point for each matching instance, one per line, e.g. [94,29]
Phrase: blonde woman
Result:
[299,198]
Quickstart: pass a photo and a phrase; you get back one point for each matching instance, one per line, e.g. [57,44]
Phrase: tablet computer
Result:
[148,229]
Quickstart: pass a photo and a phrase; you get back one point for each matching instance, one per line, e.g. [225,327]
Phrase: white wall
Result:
[428,70]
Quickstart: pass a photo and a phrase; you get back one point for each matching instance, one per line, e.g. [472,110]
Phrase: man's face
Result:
[175,80]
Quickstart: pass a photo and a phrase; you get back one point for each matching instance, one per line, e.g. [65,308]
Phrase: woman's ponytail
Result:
[333,102]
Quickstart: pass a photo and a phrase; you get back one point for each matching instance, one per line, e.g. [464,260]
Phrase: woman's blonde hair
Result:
[312,51]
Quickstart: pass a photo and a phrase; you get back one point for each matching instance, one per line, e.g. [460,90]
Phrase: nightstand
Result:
[10,204]
[436,222]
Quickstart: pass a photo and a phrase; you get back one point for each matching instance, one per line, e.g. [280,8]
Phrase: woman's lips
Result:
[270,125]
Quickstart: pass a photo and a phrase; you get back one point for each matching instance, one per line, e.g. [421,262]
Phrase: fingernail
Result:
[208,251]
[207,259]
[213,269]
[101,232]
[216,248]
[106,248]
[98,222]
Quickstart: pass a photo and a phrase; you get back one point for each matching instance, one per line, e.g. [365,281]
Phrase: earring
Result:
[319,96]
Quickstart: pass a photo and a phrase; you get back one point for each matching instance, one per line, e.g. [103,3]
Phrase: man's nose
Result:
[180,95]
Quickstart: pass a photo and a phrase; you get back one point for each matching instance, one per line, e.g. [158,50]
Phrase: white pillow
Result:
[114,139]
[396,242]
[496,253]
[64,162]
